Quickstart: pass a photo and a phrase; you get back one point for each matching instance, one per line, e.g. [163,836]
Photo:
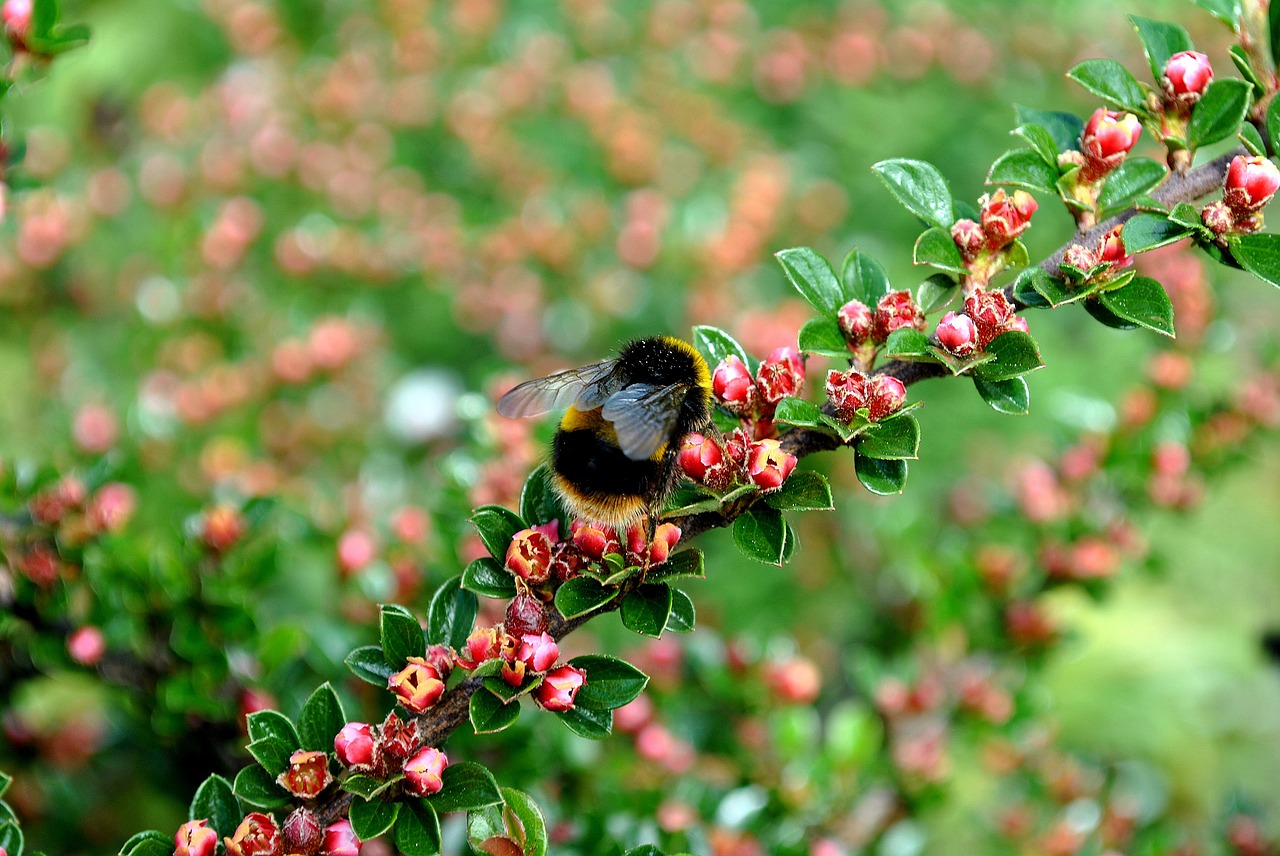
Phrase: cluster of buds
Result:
[852,391]
[419,685]
[983,243]
[865,329]
[259,835]
[1107,139]
[1081,262]
[1248,187]
[763,463]
[754,399]
[389,750]
[523,657]
[77,515]
[986,315]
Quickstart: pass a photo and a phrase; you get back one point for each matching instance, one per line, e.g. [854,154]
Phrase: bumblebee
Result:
[613,459]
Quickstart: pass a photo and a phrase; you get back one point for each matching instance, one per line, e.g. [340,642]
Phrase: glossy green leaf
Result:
[1053,289]
[1005,396]
[452,614]
[935,247]
[647,609]
[1042,143]
[684,616]
[370,665]
[1219,112]
[1111,82]
[539,502]
[1273,120]
[686,564]
[320,719]
[467,786]
[498,686]
[1251,139]
[262,724]
[148,843]
[814,278]
[255,786]
[718,346]
[909,344]
[400,633]
[592,724]
[364,786]
[1025,292]
[761,534]
[1106,317]
[863,279]
[1133,178]
[893,439]
[1186,214]
[490,714]
[496,526]
[920,187]
[1259,255]
[1063,128]
[1144,302]
[581,595]
[802,491]
[216,802]
[822,336]
[418,829]
[1016,354]
[1024,168]
[1146,231]
[486,576]
[1226,11]
[935,292]
[801,413]
[530,832]
[373,818]
[272,753]
[611,682]
[1160,41]
[880,476]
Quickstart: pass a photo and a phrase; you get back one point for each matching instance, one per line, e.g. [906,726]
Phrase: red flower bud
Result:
[699,455]
[257,835]
[733,386]
[1112,251]
[16,15]
[1108,136]
[307,774]
[896,310]
[991,311]
[1080,257]
[1250,184]
[665,536]
[1217,218]
[594,542]
[87,645]
[856,322]
[885,394]
[302,832]
[484,643]
[538,652]
[560,687]
[524,616]
[529,556]
[195,838]
[417,686]
[1006,217]
[440,658]
[796,681]
[768,465]
[1186,76]
[969,238]
[222,528]
[396,740]
[340,840]
[847,392]
[354,745]
[780,375]
[422,772]
[41,566]
[958,334]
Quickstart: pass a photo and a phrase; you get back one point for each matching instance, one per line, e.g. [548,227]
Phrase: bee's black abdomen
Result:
[594,466]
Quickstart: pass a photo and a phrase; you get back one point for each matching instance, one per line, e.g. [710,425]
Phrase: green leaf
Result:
[418,829]
[1273,121]
[909,344]
[1219,112]
[581,595]
[1144,302]
[5,781]
[1024,168]
[935,292]
[400,633]
[1016,354]
[1106,317]
[1053,289]
[1127,182]
[611,682]
[802,414]
[490,714]
[644,850]
[1111,82]
[1273,26]
[539,502]
[1160,41]
[863,279]
[936,247]
[647,609]
[496,526]
[531,829]
[592,724]
[486,576]
[255,786]
[370,665]
[893,439]
[1025,289]
[148,843]
[452,614]
[880,476]
[814,278]
[822,336]
[761,534]
[686,564]
[1186,214]
[320,719]
[1063,128]
[1251,139]
[498,686]
[216,802]
[373,818]
[1259,255]
[920,188]
[1226,11]
[1240,58]
[272,723]
[272,753]
[804,491]
[1042,143]
[718,346]
[1147,231]
[1005,396]
[683,614]
[366,787]
[467,786]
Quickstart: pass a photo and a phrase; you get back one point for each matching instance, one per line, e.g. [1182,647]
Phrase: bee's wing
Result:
[643,415]
[585,388]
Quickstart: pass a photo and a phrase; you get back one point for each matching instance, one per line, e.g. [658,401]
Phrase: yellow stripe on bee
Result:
[589,420]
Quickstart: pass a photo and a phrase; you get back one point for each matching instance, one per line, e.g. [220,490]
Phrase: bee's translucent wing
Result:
[585,388]
[643,416]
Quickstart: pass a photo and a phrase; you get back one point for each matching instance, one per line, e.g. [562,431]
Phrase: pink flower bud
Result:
[1250,184]
[665,537]
[524,616]
[1080,257]
[112,507]
[1005,217]
[340,840]
[560,687]
[356,549]
[780,375]
[958,334]
[768,465]
[699,455]
[847,392]
[856,322]
[1112,251]
[440,658]
[307,774]
[1186,76]
[991,311]
[529,556]
[594,542]
[896,310]
[538,652]
[1108,136]
[484,643]
[969,238]
[423,771]
[733,386]
[16,15]
[354,745]
[417,686]
[302,832]
[885,395]
[1217,218]
[796,681]
[195,838]
[87,645]
[257,835]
